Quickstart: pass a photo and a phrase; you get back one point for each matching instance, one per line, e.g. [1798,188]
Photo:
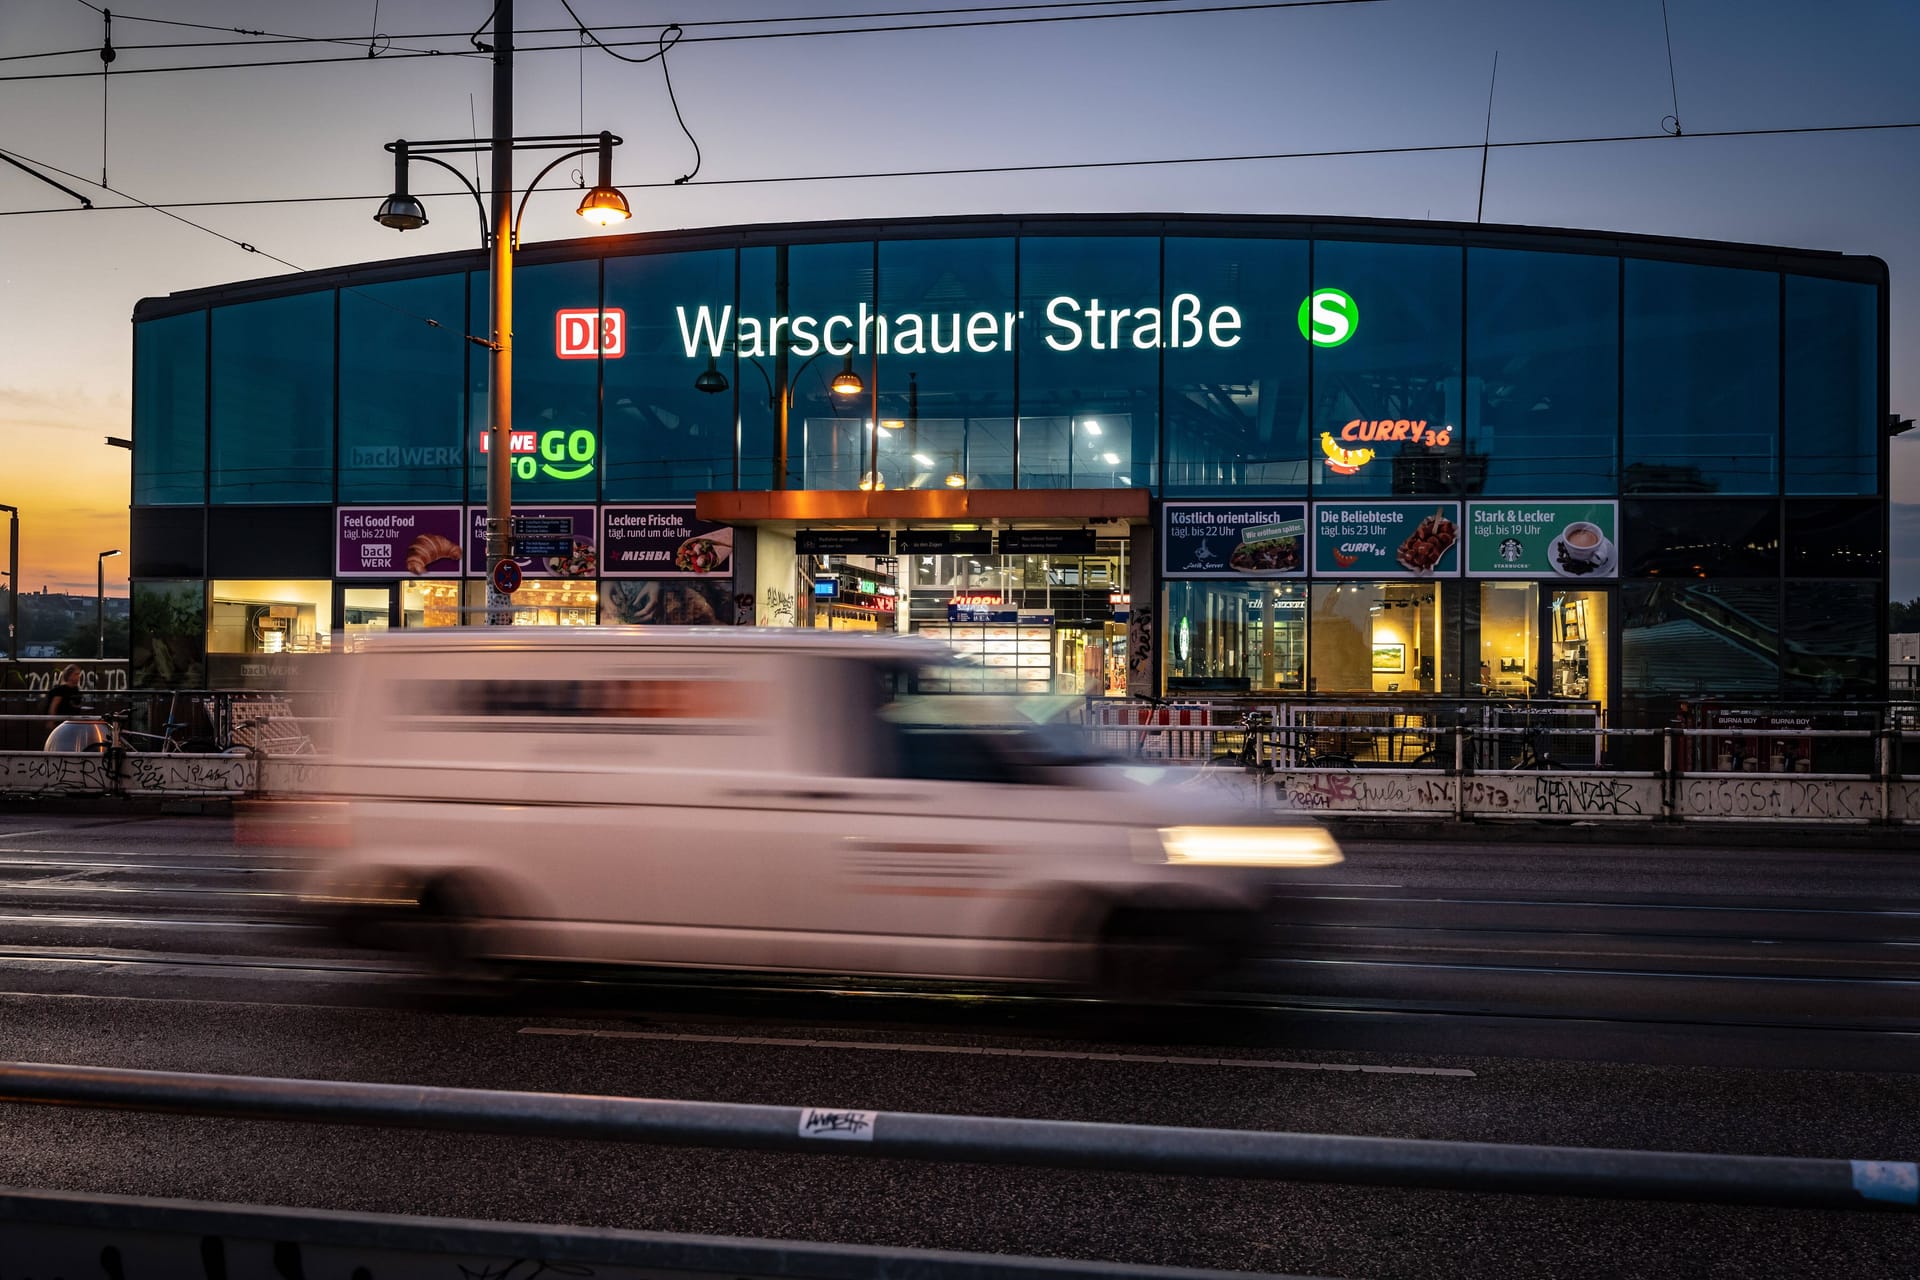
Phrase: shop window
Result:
[1700,539]
[1236,637]
[680,602]
[1505,616]
[428,602]
[1577,635]
[402,390]
[1833,386]
[168,633]
[1543,370]
[267,616]
[944,416]
[1236,416]
[1383,638]
[365,609]
[1701,369]
[1831,642]
[555,401]
[550,602]
[272,396]
[1089,391]
[1394,361]
[1834,538]
[1699,639]
[663,436]
[170,410]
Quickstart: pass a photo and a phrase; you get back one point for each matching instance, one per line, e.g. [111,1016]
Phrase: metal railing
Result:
[1052,1144]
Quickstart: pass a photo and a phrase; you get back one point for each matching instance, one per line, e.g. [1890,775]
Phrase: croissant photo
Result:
[430,549]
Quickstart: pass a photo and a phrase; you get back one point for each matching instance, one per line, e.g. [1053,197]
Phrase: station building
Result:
[1364,461]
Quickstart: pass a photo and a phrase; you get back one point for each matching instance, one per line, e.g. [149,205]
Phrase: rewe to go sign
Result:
[559,454]
[1327,318]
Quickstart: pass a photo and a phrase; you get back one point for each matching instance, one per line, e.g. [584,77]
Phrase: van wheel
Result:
[447,936]
[1154,954]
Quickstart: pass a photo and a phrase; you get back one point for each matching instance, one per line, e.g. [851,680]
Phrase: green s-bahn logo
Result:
[1328,317]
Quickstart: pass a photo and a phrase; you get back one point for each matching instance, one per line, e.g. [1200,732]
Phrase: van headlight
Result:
[1301,846]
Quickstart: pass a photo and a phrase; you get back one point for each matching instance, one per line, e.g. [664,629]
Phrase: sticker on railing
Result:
[846,1126]
[1890,1181]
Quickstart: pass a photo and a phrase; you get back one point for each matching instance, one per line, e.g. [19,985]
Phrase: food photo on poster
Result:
[581,560]
[1234,539]
[386,542]
[1543,539]
[1386,539]
[663,540]
[679,603]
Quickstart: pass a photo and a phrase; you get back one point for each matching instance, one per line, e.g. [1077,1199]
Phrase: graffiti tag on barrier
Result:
[1362,791]
[1785,799]
[35,773]
[1589,796]
[213,775]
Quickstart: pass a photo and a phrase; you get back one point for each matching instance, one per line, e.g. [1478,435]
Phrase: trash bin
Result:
[80,735]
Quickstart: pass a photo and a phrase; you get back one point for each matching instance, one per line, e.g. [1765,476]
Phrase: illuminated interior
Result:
[269,616]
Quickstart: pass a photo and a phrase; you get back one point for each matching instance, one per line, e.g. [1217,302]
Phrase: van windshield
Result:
[1011,737]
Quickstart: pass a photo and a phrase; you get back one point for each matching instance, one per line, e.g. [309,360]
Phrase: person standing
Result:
[63,700]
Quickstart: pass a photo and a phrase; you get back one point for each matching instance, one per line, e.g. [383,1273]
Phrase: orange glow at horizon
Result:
[72,490]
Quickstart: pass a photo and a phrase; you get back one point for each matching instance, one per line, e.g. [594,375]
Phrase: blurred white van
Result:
[776,800]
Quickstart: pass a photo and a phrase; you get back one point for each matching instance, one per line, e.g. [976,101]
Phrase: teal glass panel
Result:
[1701,369]
[556,399]
[1543,373]
[402,390]
[664,437]
[170,410]
[1089,362]
[1236,409]
[272,437]
[946,401]
[1386,371]
[1833,386]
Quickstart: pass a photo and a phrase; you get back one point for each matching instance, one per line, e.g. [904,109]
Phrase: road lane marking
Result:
[1068,1055]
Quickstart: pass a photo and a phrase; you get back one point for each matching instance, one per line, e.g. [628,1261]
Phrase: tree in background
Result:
[84,642]
[1902,618]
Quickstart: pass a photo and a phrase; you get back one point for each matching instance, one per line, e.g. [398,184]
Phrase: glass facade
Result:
[271,429]
[1682,453]
[401,406]
[170,410]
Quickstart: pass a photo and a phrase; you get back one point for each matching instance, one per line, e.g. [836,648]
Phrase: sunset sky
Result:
[1359,75]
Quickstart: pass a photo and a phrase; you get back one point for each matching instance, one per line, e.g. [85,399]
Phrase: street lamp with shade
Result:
[100,599]
[500,234]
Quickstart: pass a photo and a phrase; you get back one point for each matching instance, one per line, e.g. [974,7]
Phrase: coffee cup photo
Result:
[1584,542]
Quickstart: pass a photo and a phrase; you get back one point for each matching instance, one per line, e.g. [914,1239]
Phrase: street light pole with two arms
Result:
[603,205]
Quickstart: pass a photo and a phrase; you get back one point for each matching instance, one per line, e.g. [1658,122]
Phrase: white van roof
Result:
[854,644]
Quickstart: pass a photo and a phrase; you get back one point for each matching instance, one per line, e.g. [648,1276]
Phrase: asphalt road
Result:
[1756,1001]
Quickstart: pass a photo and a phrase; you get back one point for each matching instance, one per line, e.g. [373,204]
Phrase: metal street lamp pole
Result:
[13,581]
[500,359]
[100,600]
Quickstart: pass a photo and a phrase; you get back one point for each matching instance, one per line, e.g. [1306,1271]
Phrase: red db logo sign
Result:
[582,335]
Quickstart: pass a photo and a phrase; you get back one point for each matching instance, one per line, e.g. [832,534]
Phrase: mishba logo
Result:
[584,334]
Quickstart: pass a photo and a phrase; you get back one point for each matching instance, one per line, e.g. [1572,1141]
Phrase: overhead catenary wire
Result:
[709,39]
[669,36]
[1071,165]
[1673,82]
[135,202]
[257,38]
